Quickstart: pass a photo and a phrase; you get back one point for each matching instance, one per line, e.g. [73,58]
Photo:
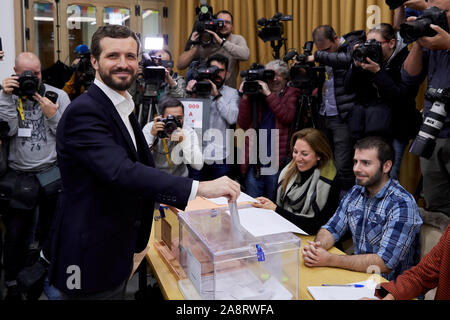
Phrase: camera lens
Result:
[205,38]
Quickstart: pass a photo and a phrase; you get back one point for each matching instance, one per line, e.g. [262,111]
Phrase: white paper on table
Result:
[344,293]
[243,197]
[262,222]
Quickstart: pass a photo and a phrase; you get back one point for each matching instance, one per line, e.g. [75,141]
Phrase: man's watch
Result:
[223,42]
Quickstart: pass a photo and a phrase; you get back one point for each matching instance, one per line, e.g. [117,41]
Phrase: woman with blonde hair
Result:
[307,193]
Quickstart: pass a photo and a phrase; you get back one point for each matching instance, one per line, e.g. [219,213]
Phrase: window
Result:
[120,16]
[44,35]
[81,25]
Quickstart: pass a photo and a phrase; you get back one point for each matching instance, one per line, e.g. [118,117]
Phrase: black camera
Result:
[28,84]
[425,142]
[304,75]
[255,73]
[84,72]
[369,49]
[394,4]
[272,29]
[201,73]
[153,75]
[205,21]
[52,96]
[171,124]
[411,31]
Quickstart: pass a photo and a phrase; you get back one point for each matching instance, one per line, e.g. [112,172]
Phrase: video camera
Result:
[171,124]
[272,29]
[28,84]
[255,73]
[369,49]
[411,31]
[205,21]
[153,74]
[425,142]
[304,75]
[201,73]
[84,72]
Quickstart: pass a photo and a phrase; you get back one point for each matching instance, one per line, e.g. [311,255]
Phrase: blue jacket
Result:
[105,209]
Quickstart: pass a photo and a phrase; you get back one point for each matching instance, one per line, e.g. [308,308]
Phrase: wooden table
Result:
[307,276]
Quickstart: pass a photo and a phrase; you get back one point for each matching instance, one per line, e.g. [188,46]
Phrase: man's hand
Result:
[315,256]
[190,86]
[371,66]
[2,54]
[264,88]
[194,37]
[214,90]
[177,135]
[264,203]
[9,84]
[48,108]
[217,39]
[169,80]
[441,41]
[222,187]
[158,126]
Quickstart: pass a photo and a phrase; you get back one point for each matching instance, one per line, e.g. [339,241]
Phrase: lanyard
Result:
[20,109]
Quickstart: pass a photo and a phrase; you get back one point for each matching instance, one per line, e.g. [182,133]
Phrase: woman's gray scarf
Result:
[309,198]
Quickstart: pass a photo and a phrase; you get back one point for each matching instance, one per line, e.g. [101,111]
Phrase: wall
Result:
[7,33]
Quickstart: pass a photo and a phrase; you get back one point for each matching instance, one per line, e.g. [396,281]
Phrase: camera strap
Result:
[20,110]
[166,149]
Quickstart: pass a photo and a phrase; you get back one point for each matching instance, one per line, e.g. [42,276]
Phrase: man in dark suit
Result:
[109,183]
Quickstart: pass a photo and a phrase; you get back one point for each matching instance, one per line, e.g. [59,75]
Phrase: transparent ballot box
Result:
[222,262]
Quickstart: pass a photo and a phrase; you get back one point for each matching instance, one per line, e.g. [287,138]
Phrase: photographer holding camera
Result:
[224,42]
[385,105]
[32,178]
[335,103]
[174,85]
[223,114]
[424,62]
[276,105]
[173,144]
[83,73]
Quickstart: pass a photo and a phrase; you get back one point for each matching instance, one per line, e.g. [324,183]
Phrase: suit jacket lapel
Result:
[96,92]
[142,145]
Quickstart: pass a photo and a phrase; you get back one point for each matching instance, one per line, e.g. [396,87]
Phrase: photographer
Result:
[386,105]
[83,73]
[335,103]
[174,85]
[433,65]
[233,46]
[32,118]
[223,114]
[166,144]
[276,110]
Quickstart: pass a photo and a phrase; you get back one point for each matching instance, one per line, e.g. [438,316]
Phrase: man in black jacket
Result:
[336,104]
[387,103]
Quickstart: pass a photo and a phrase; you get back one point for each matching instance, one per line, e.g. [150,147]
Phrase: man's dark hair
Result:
[324,32]
[219,58]
[225,12]
[385,151]
[170,103]
[111,31]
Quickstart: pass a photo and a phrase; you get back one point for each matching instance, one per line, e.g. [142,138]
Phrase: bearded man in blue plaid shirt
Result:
[382,216]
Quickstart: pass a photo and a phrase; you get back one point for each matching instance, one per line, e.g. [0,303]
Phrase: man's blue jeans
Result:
[265,186]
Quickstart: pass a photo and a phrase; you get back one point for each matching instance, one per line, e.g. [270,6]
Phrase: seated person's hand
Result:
[314,255]
[264,203]
[157,126]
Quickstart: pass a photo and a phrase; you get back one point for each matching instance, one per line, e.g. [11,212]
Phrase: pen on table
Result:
[344,285]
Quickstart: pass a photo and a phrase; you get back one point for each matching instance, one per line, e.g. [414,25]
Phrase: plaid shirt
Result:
[387,224]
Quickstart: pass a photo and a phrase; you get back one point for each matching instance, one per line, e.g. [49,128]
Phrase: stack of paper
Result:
[344,293]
